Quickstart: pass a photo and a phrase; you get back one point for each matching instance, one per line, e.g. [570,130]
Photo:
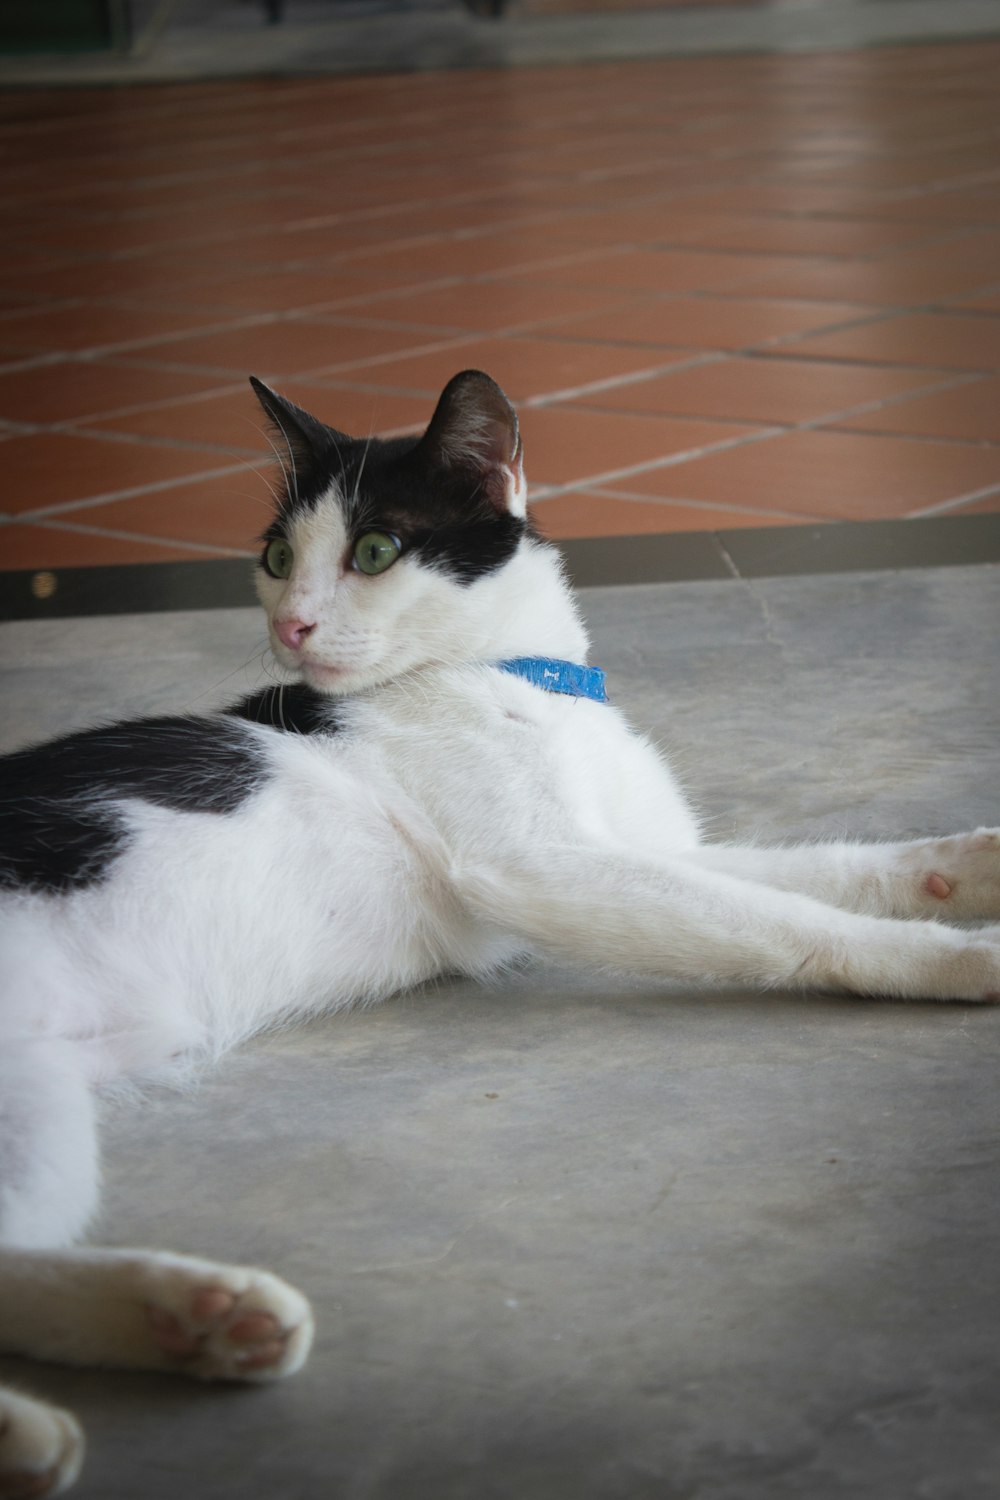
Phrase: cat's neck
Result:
[528,609]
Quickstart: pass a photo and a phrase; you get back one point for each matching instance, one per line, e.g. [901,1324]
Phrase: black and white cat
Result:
[445,773]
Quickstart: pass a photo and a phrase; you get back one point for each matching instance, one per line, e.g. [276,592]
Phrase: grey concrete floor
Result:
[570,1237]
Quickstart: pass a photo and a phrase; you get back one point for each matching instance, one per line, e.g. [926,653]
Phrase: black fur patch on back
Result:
[292,708]
[60,827]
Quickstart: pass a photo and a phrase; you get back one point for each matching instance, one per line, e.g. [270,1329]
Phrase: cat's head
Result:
[381,553]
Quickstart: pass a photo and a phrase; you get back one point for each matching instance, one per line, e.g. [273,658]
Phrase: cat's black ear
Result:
[306,448]
[474,431]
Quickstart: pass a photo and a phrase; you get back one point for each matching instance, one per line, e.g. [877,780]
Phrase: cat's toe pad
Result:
[960,874]
[229,1323]
[41,1448]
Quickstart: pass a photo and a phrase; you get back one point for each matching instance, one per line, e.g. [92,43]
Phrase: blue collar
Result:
[557,676]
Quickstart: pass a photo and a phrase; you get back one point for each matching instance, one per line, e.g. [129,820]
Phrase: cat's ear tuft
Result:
[474,429]
[305,447]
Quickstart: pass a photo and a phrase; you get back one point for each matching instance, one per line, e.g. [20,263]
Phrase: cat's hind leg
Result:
[142,1309]
[679,920]
[48,1142]
[48,1191]
[955,879]
[41,1448]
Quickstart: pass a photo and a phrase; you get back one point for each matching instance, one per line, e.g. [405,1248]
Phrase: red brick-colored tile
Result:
[621,218]
[564,446]
[832,475]
[291,346]
[160,280]
[525,367]
[761,390]
[707,322]
[947,341]
[798,199]
[583,514]
[233,421]
[51,468]
[71,390]
[229,511]
[53,546]
[988,506]
[489,306]
[980,302]
[889,280]
[282,291]
[91,326]
[657,270]
[486,256]
[670,226]
[970,411]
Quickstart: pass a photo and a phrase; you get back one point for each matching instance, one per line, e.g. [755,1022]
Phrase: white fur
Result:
[463,816]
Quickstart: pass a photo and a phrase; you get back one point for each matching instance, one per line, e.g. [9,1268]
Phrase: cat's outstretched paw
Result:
[227,1322]
[958,877]
[41,1448]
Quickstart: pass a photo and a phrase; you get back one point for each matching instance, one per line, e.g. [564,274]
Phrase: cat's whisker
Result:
[288,472]
[361,469]
[288,480]
[262,646]
[264,476]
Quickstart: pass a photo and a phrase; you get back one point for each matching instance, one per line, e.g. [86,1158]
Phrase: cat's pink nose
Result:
[292,633]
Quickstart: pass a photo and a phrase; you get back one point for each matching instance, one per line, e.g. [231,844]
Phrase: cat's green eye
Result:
[278,558]
[376,551]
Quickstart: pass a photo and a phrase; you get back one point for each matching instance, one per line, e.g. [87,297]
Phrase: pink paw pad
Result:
[212,1303]
[257,1336]
[936,885]
[170,1334]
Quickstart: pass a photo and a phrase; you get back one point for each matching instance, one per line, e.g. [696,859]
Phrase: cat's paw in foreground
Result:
[441,750]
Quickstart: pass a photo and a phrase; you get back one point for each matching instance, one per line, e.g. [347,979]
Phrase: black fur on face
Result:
[444,495]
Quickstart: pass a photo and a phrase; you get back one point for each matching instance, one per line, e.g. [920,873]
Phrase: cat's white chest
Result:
[498,765]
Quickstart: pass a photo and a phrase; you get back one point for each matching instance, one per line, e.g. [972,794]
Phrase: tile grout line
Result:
[65,507]
[136,536]
[893,399]
[944,506]
[690,503]
[668,461]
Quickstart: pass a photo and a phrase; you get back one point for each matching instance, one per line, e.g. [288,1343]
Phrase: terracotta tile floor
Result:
[730,291]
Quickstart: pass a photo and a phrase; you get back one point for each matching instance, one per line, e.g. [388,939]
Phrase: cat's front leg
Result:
[41,1448]
[678,920]
[950,879]
[152,1310]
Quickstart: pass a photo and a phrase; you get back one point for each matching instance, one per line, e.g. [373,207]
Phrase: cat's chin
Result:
[323,679]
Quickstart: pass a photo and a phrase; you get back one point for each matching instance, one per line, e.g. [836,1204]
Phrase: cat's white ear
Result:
[305,446]
[474,428]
